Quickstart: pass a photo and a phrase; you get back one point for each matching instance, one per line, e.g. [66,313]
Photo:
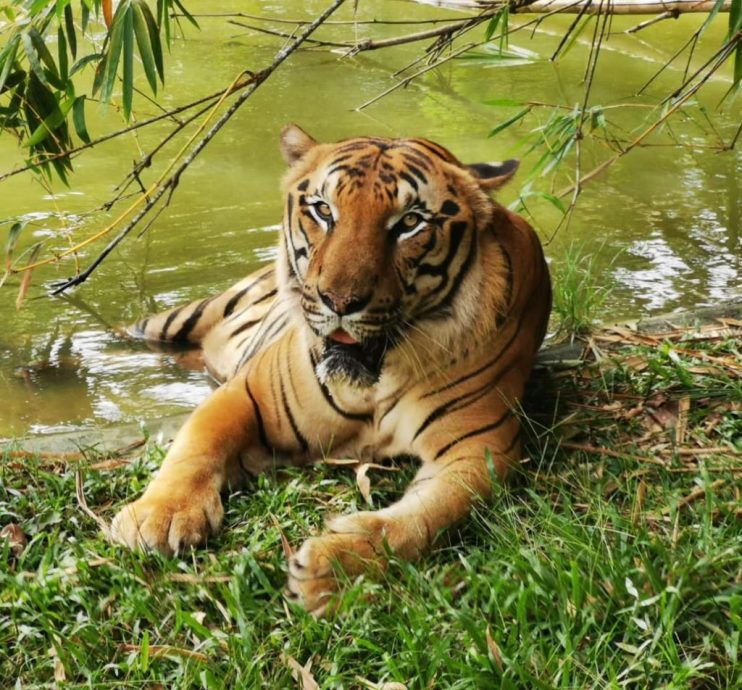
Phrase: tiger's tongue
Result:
[341,336]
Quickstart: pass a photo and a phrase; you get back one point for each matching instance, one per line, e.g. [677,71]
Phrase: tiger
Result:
[401,317]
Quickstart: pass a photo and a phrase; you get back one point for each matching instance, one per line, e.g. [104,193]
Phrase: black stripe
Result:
[478,371]
[287,408]
[266,296]
[229,307]
[269,330]
[244,327]
[459,402]
[411,180]
[302,186]
[428,146]
[417,173]
[168,322]
[356,416]
[458,279]
[474,432]
[258,417]
[190,323]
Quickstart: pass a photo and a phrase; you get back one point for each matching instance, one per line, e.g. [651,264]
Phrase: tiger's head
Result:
[382,241]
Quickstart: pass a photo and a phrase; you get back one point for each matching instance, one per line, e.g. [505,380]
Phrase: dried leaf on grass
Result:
[494,649]
[16,538]
[302,674]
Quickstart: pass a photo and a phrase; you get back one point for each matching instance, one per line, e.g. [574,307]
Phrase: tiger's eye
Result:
[324,210]
[410,220]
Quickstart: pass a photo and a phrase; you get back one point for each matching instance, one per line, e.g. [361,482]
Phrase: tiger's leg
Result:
[182,506]
[442,494]
[191,322]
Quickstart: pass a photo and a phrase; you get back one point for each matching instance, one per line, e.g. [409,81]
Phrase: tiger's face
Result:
[379,237]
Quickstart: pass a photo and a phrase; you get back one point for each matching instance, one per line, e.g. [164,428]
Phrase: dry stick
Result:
[586,448]
[672,14]
[172,181]
[370,44]
[340,22]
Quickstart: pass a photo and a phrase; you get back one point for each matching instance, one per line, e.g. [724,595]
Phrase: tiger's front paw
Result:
[353,544]
[169,519]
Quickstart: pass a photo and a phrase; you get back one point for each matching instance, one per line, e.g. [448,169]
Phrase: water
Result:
[664,221]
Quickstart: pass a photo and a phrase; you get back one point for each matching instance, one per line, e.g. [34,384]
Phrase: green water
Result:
[672,213]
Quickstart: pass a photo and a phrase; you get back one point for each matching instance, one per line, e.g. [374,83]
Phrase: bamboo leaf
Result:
[51,72]
[492,26]
[33,57]
[510,121]
[186,13]
[69,23]
[78,119]
[128,49]
[145,48]
[11,242]
[84,61]
[112,56]
[62,55]
[7,60]
[49,124]
[154,39]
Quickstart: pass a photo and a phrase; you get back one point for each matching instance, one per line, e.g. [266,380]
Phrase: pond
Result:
[663,222]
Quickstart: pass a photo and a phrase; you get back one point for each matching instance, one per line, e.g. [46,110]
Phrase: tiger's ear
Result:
[295,142]
[492,176]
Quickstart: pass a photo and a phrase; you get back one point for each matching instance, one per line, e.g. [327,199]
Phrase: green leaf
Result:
[62,54]
[154,39]
[492,26]
[145,48]
[49,124]
[69,23]
[78,119]
[113,54]
[7,60]
[51,72]
[504,103]
[186,13]
[33,57]
[84,61]
[510,121]
[12,240]
[128,30]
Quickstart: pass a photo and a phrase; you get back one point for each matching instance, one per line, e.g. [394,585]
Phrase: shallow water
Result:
[664,221]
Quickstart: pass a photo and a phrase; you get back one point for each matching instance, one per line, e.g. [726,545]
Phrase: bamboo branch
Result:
[171,183]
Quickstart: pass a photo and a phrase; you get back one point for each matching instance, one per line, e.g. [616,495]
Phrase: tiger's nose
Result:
[343,304]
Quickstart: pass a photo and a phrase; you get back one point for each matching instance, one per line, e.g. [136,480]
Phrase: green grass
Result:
[581,289]
[592,570]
